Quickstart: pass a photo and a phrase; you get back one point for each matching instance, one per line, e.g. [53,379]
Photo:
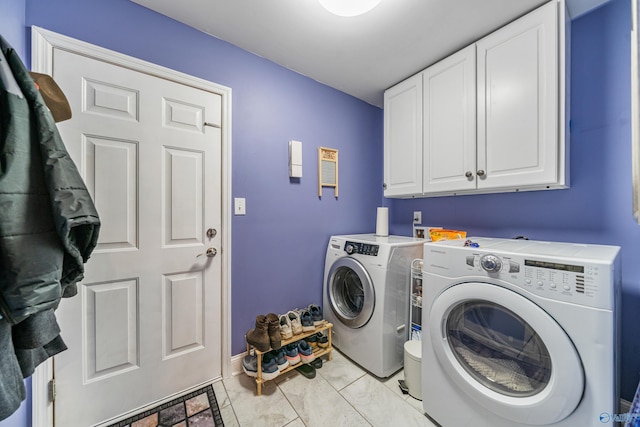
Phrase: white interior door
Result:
[146,323]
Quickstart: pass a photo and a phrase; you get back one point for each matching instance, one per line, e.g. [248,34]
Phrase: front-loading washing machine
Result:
[520,333]
[366,297]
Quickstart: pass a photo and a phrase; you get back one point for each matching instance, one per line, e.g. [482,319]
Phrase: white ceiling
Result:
[363,55]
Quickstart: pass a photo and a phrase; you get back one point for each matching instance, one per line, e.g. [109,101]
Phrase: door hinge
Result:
[52,390]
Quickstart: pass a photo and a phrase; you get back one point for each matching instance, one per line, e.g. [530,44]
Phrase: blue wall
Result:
[597,207]
[279,246]
[12,24]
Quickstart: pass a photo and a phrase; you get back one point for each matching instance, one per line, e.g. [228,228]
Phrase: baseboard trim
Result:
[236,364]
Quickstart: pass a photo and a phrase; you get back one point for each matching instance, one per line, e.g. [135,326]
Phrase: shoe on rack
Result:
[305,352]
[281,358]
[250,365]
[292,355]
[312,340]
[316,314]
[269,366]
[322,340]
[275,339]
[285,327]
[259,336]
[307,321]
[296,324]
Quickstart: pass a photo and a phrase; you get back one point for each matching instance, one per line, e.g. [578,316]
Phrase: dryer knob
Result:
[491,263]
[350,249]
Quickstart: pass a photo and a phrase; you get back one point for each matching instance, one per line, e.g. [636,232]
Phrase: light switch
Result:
[240,206]
[295,159]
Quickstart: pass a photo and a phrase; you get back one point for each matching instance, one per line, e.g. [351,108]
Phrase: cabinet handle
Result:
[469,174]
[480,173]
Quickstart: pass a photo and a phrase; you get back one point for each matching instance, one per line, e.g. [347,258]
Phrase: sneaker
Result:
[291,353]
[281,358]
[322,340]
[307,321]
[312,340]
[285,327]
[296,324]
[305,352]
[250,366]
[269,366]
[316,314]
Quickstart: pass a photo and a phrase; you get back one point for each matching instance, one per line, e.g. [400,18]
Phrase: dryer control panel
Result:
[534,273]
[361,248]
[576,273]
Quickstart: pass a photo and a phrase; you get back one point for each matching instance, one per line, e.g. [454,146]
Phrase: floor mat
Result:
[196,409]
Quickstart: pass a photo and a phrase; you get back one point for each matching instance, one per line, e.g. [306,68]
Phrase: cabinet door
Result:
[449,157]
[403,138]
[518,102]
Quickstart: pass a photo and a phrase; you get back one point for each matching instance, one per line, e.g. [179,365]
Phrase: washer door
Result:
[350,292]
[507,353]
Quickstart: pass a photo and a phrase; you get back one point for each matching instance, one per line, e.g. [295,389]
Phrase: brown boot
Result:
[259,336]
[274,331]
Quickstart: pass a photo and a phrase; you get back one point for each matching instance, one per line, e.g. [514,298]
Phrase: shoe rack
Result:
[318,352]
[416,301]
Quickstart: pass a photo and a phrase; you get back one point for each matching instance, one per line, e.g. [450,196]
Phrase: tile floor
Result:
[341,394]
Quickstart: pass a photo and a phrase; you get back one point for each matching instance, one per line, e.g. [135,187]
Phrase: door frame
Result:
[43,43]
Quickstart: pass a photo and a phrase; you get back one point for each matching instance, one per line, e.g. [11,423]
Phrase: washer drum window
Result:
[350,292]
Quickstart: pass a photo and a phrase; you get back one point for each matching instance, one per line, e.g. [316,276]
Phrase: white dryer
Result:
[366,297]
[520,333]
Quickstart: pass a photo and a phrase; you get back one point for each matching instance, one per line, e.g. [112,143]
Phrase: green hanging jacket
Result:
[48,223]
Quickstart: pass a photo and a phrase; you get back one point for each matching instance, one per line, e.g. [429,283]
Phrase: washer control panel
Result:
[352,248]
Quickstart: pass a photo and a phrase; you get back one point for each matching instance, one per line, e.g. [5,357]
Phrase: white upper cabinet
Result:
[491,116]
[403,127]
[449,120]
[518,103]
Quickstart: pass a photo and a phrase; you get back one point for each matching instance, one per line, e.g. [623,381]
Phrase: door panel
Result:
[183,197]
[113,347]
[146,323]
[111,175]
[183,318]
